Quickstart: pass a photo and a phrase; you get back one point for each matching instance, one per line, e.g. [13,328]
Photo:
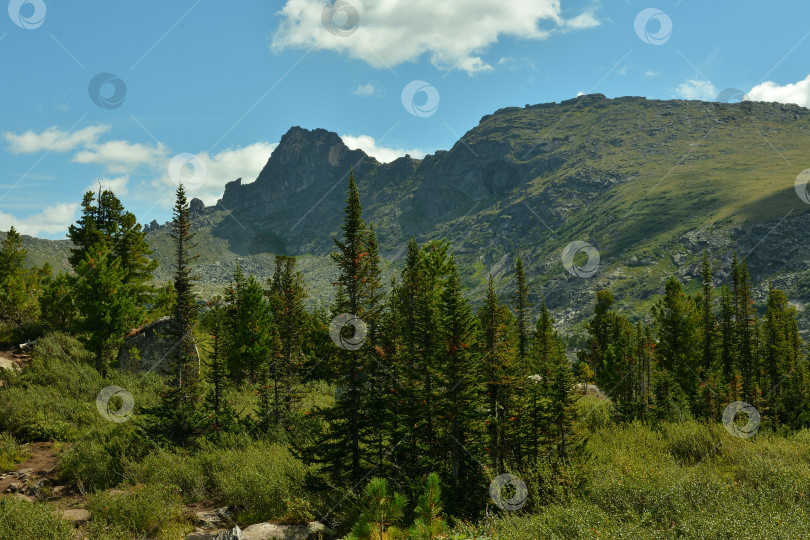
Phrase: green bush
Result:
[11,453]
[60,346]
[176,469]
[691,442]
[23,520]
[155,510]
[255,479]
[596,413]
[98,460]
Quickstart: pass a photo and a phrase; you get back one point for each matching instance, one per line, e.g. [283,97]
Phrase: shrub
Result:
[23,520]
[176,469]
[98,461]
[154,510]
[255,479]
[10,453]
[60,346]
[691,442]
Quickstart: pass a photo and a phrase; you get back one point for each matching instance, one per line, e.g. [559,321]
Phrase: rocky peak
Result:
[302,159]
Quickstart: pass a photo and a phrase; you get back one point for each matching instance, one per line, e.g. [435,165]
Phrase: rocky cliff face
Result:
[307,159]
[650,184]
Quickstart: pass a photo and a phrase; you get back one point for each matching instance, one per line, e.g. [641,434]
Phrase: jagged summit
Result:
[651,184]
[302,159]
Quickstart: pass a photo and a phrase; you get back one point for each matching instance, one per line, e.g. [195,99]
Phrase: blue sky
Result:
[218,83]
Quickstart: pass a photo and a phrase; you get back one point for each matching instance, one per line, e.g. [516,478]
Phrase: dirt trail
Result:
[41,464]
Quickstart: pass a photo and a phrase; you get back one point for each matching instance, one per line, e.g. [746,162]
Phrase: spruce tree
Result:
[18,286]
[214,325]
[522,310]
[105,221]
[106,304]
[184,355]
[728,332]
[676,322]
[499,372]
[12,254]
[342,447]
[179,416]
[745,324]
[459,372]
[286,298]
[708,323]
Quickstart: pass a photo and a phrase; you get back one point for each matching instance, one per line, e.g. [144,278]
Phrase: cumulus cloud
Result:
[207,181]
[121,157]
[453,33]
[50,221]
[116,157]
[383,154]
[798,93]
[696,89]
[116,185]
[53,139]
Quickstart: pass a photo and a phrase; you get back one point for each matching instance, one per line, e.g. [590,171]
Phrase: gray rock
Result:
[273,531]
[233,534]
[77,516]
[154,347]
[5,363]
[195,206]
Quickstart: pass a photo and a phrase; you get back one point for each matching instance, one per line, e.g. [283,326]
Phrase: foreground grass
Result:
[689,480]
[685,480]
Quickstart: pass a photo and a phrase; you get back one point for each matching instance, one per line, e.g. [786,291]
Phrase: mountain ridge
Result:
[649,183]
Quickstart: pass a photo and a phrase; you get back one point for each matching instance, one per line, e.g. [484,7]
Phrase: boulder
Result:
[233,534]
[273,531]
[589,390]
[195,206]
[154,346]
[77,516]
[5,363]
[214,519]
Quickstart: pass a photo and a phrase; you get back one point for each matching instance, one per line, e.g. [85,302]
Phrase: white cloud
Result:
[117,157]
[696,89]
[383,154]
[52,220]
[584,20]
[453,33]
[122,157]
[243,162]
[116,185]
[365,90]
[53,139]
[650,73]
[798,93]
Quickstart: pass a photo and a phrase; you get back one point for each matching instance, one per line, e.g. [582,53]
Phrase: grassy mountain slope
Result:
[651,184]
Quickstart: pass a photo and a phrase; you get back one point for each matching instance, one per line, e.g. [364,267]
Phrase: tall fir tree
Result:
[499,373]
[106,304]
[676,322]
[708,320]
[286,296]
[522,308]
[180,413]
[459,372]
[342,449]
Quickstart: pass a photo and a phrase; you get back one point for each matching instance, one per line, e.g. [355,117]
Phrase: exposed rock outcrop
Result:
[149,348]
